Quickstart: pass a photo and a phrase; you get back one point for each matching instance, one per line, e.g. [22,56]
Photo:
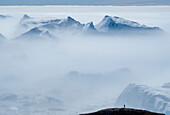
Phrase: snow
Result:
[89,28]
[127,22]
[105,24]
[141,96]
[70,25]
[109,24]
[35,33]
[4,17]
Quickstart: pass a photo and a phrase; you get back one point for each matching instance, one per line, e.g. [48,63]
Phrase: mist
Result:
[79,73]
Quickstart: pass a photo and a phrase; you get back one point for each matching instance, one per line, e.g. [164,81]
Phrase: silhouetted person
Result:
[124,106]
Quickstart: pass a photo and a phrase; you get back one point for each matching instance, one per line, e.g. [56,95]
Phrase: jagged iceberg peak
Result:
[70,22]
[135,86]
[35,33]
[70,19]
[89,27]
[105,24]
[110,24]
[31,33]
[127,22]
[119,20]
[146,97]
[25,17]
[4,16]
[27,22]
[38,32]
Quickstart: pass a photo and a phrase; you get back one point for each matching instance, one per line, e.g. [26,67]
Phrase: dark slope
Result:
[122,111]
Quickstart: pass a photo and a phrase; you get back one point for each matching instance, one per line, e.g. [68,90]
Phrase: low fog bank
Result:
[84,73]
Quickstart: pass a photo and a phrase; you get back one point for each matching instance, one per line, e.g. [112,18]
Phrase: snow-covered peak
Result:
[105,24]
[89,27]
[25,17]
[70,19]
[127,22]
[4,16]
[35,33]
[69,22]
[119,20]
[110,24]
[26,22]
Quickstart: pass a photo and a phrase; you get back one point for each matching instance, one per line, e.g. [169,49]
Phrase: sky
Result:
[84,2]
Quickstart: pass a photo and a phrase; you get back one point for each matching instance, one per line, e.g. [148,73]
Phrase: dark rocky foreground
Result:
[122,111]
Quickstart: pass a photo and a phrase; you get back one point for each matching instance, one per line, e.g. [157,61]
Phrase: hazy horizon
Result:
[86,2]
